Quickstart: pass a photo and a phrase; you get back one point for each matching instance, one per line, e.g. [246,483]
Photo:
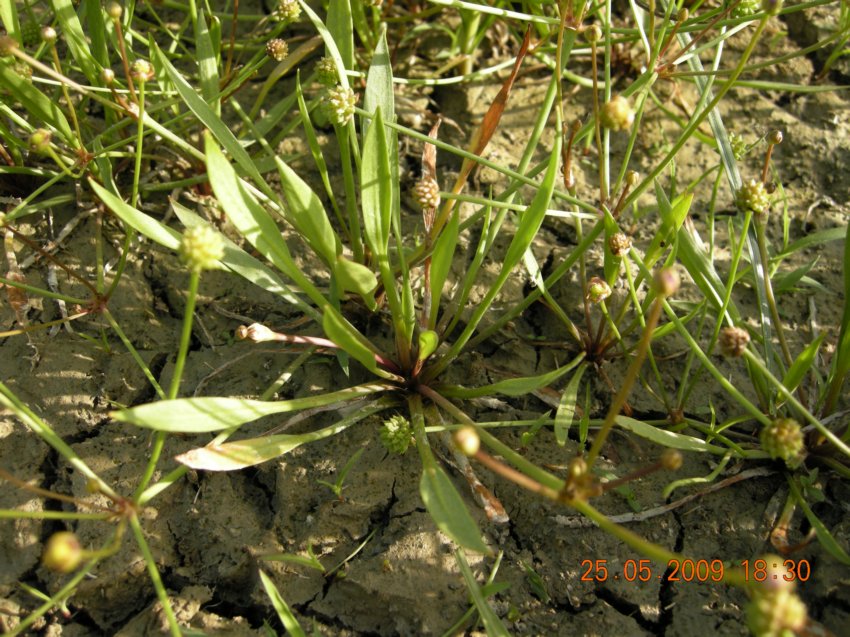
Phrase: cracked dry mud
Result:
[208,532]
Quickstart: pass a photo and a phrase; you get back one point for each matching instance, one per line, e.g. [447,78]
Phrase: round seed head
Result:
[114,10]
[7,45]
[783,439]
[277,49]
[598,290]
[593,33]
[671,459]
[617,114]
[466,439]
[107,76]
[326,72]
[39,141]
[201,247]
[667,282]
[30,33]
[142,71]
[733,341]
[288,11]
[753,196]
[775,137]
[396,434]
[48,34]
[62,552]
[340,105]
[776,614]
[632,178]
[427,192]
[619,244]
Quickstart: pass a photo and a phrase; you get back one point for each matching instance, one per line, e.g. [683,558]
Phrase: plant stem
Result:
[156,580]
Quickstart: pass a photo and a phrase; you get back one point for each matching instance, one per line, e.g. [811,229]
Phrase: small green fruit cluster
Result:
[783,438]
[427,192]
[288,11]
[396,434]
[776,613]
[277,49]
[753,196]
[201,248]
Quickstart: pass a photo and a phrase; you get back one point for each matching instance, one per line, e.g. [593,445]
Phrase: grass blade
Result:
[207,62]
[513,386]
[36,103]
[75,38]
[667,438]
[288,620]
[492,624]
[447,509]
[567,407]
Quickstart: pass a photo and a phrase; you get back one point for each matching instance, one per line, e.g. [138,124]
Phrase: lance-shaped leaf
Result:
[207,63]
[287,618]
[232,456]
[136,219]
[200,415]
[513,386]
[215,125]
[36,103]
[795,374]
[448,510]
[306,212]
[67,18]
[334,51]
[356,277]
[493,626]
[667,438]
[567,407]
[376,195]
[345,335]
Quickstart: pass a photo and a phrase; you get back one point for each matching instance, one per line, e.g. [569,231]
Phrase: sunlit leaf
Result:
[567,406]
[667,438]
[287,618]
[449,511]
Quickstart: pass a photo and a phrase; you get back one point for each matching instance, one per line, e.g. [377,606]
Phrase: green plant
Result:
[372,265]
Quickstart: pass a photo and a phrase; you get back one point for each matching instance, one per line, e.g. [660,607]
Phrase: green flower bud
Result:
[427,192]
[466,439]
[598,290]
[340,105]
[671,459]
[667,282]
[617,114]
[776,614]
[593,33]
[201,247]
[114,10]
[39,141]
[733,341]
[62,552]
[288,11]
[48,34]
[142,71]
[783,439]
[396,434]
[775,137]
[107,76]
[277,49]
[753,196]
[326,72]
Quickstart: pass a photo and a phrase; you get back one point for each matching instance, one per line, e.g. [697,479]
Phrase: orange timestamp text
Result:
[687,570]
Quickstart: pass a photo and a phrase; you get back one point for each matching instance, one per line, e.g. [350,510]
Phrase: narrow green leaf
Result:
[448,510]
[74,37]
[441,263]
[342,30]
[40,107]
[286,616]
[376,197]
[200,415]
[252,221]
[9,17]
[815,239]
[307,214]
[330,44]
[513,386]
[841,359]
[207,63]
[248,267]
[92,14]
[429,340]
[232,456]
[787,281]
[357,278]
[137,219]
[667,438]
[492,624]
[345,335]
[205,113]
[379,84]
[801,366]
[567,406]
[827,541]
